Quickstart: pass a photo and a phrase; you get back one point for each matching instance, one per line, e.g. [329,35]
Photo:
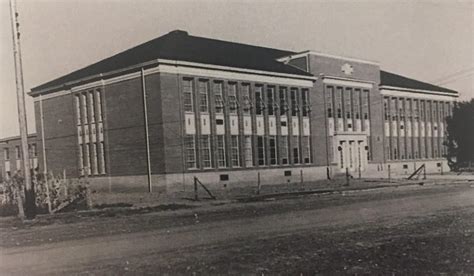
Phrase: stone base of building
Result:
[405,168]
[180,182]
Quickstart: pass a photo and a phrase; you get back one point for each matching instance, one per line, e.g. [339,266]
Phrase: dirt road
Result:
[179,249]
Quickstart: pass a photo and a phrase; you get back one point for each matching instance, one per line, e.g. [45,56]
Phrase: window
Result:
[188,95]
[99,105]
[203,96]
[248,151]
[296,150]
[87,159]
[338,100]
[234,145]
[283,101]
[78,110]
[305,102]
[307,149]
[81,160]
[206,151]
[190,149]
[401,108]
[247,103]
[259,104]
[329,101]
[408,109]
[347,103]
[422,110]
[219,102]
[385,109]
[260,151]
[94,159]
[91,106]
[356,104]
[34,150]
[102,158]
[284,150]
[273,150]
[365,104]
[232,98]
[17,152]
[272,106]
[6,153]
[294,102]
[393,109]
[85,114]
[221,163]
[415,109]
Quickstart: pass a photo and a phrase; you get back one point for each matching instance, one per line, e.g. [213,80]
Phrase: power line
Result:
[455,74]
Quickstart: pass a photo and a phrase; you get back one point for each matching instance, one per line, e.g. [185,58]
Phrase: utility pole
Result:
[30,211]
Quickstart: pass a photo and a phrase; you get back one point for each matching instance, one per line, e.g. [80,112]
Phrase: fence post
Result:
[389,174]
[301,176]
[195,189]
[360,172]
[328,174]
[258,183]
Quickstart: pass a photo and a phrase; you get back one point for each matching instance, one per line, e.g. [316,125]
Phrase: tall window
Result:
[365,104]
[393,109]
[34,150]
[271,101]
[246,102]
[294,102]
[102,158]
[305,102]
[416,113]
[296,150]
[219,102]
[260,151]
[401,108]
[221,162]
[422,110]
[232,98]
[338,100]
[307,149]
[248,151]
[347,103]
[329,101]
[190,148]
[386,111]
[85,114]
[203,96]
[91,106]
[78,110]
[234,146]
[206,151]
[273,150]
[284,150]
[356,104]
[87,159]
[283,101]
[259,104]
[188,95]
[6,153]
[17,152]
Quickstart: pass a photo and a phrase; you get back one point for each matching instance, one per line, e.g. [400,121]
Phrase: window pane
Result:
[203,96]
[188,95]
[248,151]
[221,162]
[206,151]
[190,149]
[235,150]
[273,150]
[260,151]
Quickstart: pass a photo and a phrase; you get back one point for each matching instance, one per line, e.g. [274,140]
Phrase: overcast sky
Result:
[426,40]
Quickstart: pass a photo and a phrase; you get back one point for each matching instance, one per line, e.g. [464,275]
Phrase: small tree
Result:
[460,140]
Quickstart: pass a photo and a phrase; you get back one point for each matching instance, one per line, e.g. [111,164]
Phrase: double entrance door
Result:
[351,153]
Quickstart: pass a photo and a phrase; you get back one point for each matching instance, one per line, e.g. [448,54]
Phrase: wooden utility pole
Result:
[30,211]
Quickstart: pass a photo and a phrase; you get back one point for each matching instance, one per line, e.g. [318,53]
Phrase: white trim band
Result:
[387,87]
[347,82]
[311,52]
[410,94]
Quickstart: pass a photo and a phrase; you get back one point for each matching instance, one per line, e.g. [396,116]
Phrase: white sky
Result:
[425,40]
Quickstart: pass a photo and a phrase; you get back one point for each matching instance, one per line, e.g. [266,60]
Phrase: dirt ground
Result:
[424,230]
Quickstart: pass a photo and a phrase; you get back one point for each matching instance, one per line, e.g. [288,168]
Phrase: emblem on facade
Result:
[347,69]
